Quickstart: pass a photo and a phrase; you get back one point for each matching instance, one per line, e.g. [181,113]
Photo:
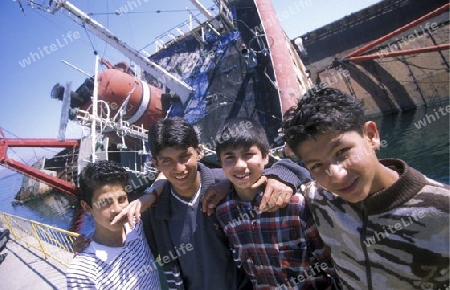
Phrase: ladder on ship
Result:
[70,171]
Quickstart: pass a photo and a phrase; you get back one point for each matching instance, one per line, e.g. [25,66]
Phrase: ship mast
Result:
[176,85]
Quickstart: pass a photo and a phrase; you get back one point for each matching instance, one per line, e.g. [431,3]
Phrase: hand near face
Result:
[134,209]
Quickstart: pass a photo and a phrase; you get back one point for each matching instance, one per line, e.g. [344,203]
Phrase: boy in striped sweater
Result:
[118,257]
[387,224]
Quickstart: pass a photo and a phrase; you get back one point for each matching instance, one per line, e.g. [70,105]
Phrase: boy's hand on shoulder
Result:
[276,195]
[80,244]
[214,195]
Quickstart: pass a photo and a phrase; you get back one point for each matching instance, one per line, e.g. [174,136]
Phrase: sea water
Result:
[54,209]
[420,137]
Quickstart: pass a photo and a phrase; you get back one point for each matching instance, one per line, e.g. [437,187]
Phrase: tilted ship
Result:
[235,62]
[220,68]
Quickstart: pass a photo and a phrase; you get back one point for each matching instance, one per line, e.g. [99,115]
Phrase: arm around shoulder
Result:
[289,172]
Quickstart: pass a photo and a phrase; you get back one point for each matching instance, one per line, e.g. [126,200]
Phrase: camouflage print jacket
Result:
[397,238]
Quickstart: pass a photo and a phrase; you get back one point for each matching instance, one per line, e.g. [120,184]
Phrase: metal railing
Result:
[53,242]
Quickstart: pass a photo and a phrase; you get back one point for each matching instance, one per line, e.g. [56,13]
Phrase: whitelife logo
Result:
[35,56]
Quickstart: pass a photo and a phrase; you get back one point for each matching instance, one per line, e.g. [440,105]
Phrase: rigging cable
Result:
[89,37]
[119,11]
[32,148]
[41,7]
[107,25]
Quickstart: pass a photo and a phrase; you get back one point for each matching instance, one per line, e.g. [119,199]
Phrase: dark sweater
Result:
[215,264]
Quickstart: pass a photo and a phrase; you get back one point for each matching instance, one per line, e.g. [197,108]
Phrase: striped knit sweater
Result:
[129,267]
[397,238]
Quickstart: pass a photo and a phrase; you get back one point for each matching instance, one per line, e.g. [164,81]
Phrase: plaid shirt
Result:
[280,249]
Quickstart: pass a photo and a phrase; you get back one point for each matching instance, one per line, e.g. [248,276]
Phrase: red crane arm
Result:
[32,172]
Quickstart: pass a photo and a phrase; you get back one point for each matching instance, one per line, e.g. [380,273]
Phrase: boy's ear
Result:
[86,207]
[266,159]
[199,150]
[372,134]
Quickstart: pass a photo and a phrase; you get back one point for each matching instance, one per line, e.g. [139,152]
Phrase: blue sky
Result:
[26,109]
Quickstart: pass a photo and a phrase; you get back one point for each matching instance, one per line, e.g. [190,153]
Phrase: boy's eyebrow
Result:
[228,152]
[335,143]
[182,151]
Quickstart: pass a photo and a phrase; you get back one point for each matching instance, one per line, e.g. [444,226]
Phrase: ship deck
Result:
[26,268]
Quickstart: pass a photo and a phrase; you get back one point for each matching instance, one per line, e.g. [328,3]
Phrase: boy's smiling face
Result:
[179,166]
[243,166]
[346,163]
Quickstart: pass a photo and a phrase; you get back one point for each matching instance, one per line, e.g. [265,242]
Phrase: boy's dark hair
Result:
[171,132]
[239,132]
[324,111]
[98,174]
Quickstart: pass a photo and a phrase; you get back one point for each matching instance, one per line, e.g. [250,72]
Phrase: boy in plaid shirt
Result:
[280,249]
